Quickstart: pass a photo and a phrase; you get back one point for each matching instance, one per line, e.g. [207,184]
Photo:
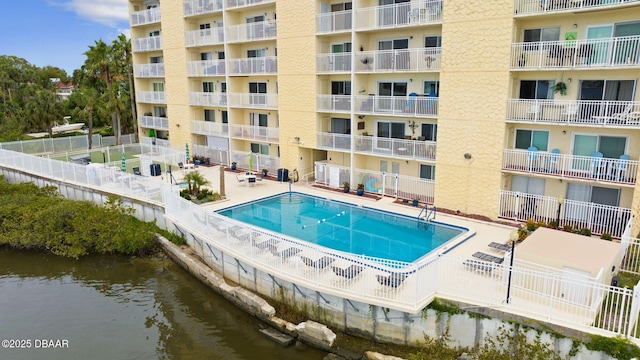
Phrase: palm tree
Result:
[122,51]
[86,99]
[99,63]
[197,179]
[43,110]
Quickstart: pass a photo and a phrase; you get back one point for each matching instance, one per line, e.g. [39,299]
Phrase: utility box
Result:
[283,174]
[155,170]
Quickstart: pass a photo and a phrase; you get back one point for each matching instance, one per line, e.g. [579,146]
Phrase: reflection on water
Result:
[110,307]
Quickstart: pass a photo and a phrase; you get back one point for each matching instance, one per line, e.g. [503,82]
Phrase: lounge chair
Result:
[319,264]
[499,246]
[286,253]
[393,280]
[239,179]
[476,266]
[136,171]
[349,273]
[486,257]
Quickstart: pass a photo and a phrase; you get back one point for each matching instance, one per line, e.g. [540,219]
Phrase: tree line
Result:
[103,94]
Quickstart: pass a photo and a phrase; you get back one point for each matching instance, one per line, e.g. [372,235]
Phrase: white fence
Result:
[63,144]
[526,7]
[216,156]
[402,14]
[579,112]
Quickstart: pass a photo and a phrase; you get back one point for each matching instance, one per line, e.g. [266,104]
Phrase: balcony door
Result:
[394,54]
[393,12]
[387,91]
[259,123]
[254,66]
[586,194]
[619,51]
[387,130]
[255,27]
[341,56]
[586,144]
[604,97]
[258,93]
[342,20]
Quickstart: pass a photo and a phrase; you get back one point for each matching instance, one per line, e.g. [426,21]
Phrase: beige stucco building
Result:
[507,109]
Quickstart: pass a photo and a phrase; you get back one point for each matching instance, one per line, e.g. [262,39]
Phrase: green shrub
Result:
[568,228]
[184,193]
[606,236]
[585,231]
[553,224]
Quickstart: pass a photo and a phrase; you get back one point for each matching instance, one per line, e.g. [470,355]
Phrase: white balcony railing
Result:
[207,99]
[402,14]
[209,128]
[333,103]
[204,37]
[154,122]
[206,68]
[328,63]
[426,59]
[420,106]
[334,22]
[258,161]
[263,30]
[617,52]
[145,16]
[149,43]
[598,218]
[151,97]
[254,101]
[399,148]
[241,3]
[249,66]
[149,70]
[620,171]
[259,133]
[575,112]
[199,7]
[531,7]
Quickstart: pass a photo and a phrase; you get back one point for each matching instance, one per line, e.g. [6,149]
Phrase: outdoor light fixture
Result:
[467,156]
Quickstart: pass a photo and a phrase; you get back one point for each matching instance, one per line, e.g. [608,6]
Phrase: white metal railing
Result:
[260,133]
[149,43]
[334,22]
[333,103]
[253,100]
[333,141]
[598,218]
[207,99]
[51,145]
[402,148]
[618,171]
[204,37]
[151,97]
[619,52]
[249,66]
[631,260]
[418,106]
[263,30]
[400,60]
[402,14]
[206,68]
[575,112]
[531,7]
[258,161]
[149,70]
[154,141]
[154,122]
[242,3]
[337,62]
[199,7]
[216,156]
[209,128]
[147,16]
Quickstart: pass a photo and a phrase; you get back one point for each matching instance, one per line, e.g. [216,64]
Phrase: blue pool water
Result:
[345,227]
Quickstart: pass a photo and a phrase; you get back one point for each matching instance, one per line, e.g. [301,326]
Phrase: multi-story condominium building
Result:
[514,110]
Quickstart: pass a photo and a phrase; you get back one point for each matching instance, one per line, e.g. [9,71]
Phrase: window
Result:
[208,86]
[257,119]
[542,34]
[432,41]
[392,88]
[160,111]
[609,146]
[432,88]
[257,91]
[427,172]
[528,138]
[429,131]
[205,29]
[260,148]
[158,86]
[154,33]
[388,129]
[225,117]
[340,126]
[527,185]
[209,115]
[537,89]
[257,53]
[155,60]
[341,6]
[205,56]
[341,88]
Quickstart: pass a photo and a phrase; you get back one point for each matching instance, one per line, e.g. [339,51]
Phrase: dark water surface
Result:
[112,307]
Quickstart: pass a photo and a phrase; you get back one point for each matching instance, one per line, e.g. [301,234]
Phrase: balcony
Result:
[537,7]
[416,106]
[618,53]
[598,218]
[575,112]
[264,30]
[243,3]
[149,43]
[201,7]
[333,103]
[207,99]
[398,148]
[151,97]
[334,22]
[333,63]
[204,37]
[258,133]
[145,16]
[154,122]
[251,66]
[412,13]
[149,70]
[209,128]
[401,60]
[254,101]
[206,68]
[605,170]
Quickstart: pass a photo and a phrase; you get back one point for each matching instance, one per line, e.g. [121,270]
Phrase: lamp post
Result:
[104,157]
[560,202]
[89,109]
[513,237]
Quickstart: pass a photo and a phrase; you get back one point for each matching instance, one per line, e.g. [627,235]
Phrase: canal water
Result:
[115,307]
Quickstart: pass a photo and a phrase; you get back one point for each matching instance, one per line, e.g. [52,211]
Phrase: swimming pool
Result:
[345,227]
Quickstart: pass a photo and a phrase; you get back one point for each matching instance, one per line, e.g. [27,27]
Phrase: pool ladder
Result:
[427,212]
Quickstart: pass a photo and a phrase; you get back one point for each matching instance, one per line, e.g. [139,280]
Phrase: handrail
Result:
[424,208]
